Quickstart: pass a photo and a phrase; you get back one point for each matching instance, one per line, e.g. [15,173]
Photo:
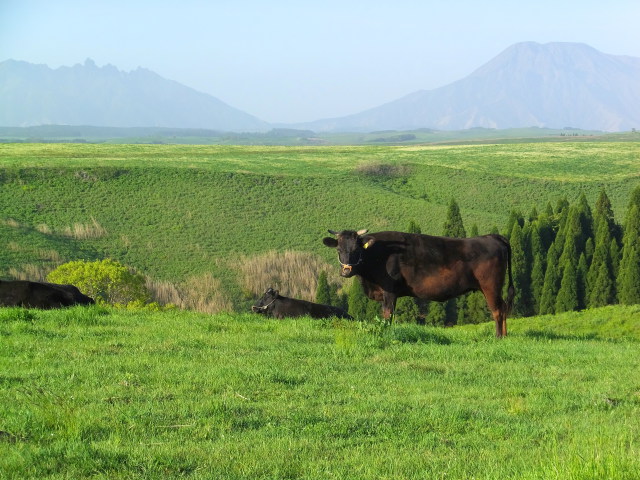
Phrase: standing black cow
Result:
[396,264]
[275,305]
[24,293]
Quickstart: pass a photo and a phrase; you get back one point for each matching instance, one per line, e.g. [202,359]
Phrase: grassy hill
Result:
[175,211]
[103,393]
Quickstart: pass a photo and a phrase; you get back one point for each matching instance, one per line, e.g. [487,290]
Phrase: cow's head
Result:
[351,246]
[265,301]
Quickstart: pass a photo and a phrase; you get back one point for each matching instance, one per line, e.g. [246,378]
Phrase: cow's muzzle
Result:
[347,270]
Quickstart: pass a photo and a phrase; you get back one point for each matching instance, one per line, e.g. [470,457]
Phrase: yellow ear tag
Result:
[366,245]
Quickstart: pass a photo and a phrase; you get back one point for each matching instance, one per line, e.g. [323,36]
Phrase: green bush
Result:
[106,281]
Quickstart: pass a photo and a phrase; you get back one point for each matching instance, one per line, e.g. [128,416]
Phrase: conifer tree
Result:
[604,213]
[476,310]
[323,291]
[514,217]
[601,289]
[629,286]
[436,314]
[357,301]
[600,274]
[406,310]
[568,294]
[582,281]
[537,281]
[545,232]
[629,270]
[571,236]
[413,227]
[549,210]
[561,206]
[521,305]
[567,299]
[586,223]
[551,282]
[453,227]
[616,257]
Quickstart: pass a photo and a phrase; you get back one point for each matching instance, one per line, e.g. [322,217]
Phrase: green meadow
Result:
[175,211]
[102,393]
[111,393]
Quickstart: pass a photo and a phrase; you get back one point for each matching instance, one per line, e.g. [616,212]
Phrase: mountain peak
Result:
[86,94]
[556,85]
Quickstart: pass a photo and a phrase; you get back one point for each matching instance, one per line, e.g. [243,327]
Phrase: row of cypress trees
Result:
[570,257]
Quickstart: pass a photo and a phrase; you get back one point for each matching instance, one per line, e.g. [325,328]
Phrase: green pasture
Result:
[173,211]
[115,394]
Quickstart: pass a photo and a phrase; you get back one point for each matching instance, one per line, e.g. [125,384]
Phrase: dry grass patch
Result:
[34,273]
[295,274]
[84,231]
[201,293]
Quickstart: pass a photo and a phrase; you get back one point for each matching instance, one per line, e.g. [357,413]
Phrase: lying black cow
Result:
[396,264]
[275,305]
[23,293]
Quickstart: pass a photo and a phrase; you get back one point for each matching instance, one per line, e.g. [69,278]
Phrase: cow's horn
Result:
[363,231]
[333,232]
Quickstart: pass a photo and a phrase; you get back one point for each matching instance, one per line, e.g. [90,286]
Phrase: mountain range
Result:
[105,96]
[555,85]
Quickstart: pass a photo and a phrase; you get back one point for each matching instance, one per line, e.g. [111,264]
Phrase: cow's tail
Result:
[511,291]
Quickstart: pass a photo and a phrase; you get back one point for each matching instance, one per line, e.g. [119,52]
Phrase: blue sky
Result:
[295,61]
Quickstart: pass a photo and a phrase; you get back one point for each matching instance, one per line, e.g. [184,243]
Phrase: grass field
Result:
[174,211]
[101,393]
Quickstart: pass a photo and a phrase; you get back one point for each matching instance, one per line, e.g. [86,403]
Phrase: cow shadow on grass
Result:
[411,333]
[542,335]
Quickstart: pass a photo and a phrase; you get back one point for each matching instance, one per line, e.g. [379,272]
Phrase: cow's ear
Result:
[368,241]
[330,242]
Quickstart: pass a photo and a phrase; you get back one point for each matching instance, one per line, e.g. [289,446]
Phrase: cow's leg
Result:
[498,309]
[388,304]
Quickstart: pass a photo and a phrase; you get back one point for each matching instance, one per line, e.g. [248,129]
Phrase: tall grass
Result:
[30,271]
[294,274]
[201,293]
[84,231]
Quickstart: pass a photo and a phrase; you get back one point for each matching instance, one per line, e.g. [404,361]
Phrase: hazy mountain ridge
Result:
[555,85]
[89,95]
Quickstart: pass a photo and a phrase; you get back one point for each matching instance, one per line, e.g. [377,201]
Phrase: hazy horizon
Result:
[291,62]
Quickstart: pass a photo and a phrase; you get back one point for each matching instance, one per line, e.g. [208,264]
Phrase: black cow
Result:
[275,305]
[24,293]
[396,264]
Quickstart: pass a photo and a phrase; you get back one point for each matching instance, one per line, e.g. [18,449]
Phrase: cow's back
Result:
[25,293]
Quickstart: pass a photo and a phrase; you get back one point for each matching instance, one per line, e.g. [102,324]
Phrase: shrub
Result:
[106,281]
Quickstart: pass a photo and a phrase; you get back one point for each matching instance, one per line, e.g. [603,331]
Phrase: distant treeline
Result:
[93,134]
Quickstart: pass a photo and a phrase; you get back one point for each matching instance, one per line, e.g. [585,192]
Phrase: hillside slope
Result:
[176,211]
